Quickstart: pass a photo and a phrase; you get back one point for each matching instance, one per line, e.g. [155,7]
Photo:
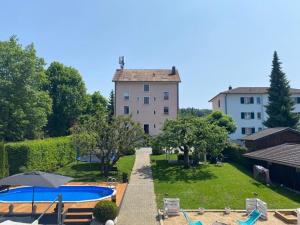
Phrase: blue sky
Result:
[213,43]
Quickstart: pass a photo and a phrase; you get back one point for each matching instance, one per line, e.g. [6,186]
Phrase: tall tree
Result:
[24,106]
[280,107]
[95,103]
[68,92]
[111,105]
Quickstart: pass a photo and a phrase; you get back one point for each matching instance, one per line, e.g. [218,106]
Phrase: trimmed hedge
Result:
[45,155]
[3,161]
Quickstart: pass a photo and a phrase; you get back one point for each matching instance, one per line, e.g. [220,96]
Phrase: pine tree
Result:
[111,105]
[281,106]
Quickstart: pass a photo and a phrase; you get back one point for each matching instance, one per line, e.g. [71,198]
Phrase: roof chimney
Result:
[229,88]
[173,70]
[121,62]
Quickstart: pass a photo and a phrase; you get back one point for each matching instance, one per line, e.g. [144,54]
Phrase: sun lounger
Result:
[188,219]
[252,218]
[172,206]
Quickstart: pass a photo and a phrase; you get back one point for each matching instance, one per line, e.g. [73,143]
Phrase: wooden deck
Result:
[20,208]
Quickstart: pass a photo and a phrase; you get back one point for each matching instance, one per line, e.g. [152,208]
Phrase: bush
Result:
[156,145]
[105,210]
[45,155]
[128,151]
[3,161]
[234,153]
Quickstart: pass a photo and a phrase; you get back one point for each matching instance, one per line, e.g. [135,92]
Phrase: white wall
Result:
[235,108]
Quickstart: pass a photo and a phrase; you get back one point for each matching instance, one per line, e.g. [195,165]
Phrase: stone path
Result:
[139,206]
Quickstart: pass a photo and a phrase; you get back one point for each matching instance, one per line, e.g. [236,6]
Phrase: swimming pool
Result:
[49,194]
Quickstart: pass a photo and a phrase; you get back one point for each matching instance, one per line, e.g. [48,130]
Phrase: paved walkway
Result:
[139,206]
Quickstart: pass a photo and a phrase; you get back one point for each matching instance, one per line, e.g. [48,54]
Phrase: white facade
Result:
[248,113]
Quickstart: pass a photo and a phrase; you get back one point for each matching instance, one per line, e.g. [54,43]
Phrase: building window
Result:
[260,129]
[248,130]
[166,95]
[258,100]
[126,110]
[138,98]
[247,115]
[154,126]
[247,100]
[137,112]
[166,110]
[259,115]
[146,100]
[296,100]
[154,98]
[146,87]
[219,103]
[154,112]
[126,96]
[146,128]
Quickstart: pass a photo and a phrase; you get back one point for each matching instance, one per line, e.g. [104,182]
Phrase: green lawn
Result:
[90,172]
[215,187]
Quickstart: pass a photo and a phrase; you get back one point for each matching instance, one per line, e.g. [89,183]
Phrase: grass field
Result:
[214,187]
[90,172]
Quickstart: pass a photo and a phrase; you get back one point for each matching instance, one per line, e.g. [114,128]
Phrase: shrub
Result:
[3,161]
[156,145]
[234,153]
[105,210]
[127,151]
[45,155]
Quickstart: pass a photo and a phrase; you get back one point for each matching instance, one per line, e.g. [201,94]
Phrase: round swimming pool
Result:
[49,194]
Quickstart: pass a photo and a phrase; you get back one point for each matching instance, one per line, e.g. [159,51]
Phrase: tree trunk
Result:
[186,157]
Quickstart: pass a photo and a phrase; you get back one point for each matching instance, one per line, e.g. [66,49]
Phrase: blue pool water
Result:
[48,194]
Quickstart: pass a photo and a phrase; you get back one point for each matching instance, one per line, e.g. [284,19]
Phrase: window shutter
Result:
[253,130]
[243,115]
[252,115]
[242,100]
[243,130]
[251,100]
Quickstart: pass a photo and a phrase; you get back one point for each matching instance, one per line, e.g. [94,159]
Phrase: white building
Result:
[246,105]
[149,96]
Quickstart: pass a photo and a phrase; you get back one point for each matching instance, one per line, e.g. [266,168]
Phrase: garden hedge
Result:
[45,155]
[3,161]
[234,153]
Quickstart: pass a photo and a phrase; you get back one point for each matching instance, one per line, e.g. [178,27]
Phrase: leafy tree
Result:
[195,135]
[189,112]
[222,120]
[68,93]
[24,106]
[95,103]
[180,134]
[108,140]
[280,105]
[111,105]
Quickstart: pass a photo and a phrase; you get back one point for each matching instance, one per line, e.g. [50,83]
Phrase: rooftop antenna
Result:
[121,62]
